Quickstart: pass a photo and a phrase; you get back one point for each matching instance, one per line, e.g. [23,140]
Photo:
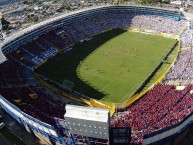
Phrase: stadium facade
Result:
[52,133]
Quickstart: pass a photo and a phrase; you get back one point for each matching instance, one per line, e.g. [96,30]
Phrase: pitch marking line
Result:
[139,84]
[109,83]
[106,86]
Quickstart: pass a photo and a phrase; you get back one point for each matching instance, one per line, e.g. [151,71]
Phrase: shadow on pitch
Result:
[64,65]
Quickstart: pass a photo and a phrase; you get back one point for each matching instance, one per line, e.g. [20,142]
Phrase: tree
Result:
[5,24]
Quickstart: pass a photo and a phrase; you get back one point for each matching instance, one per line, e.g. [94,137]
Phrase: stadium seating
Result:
[160,107]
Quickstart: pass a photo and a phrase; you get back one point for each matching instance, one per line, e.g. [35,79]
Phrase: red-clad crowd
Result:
[19,87]
[160,107]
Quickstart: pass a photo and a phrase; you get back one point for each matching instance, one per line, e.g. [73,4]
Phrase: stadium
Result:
[93,76]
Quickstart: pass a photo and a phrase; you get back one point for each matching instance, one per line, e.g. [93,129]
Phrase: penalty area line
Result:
[106,86]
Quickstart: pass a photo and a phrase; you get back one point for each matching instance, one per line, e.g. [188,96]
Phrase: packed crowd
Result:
[31,98]
[75,31]
[161,107]
[186,39]
[12,74]
[182,70]
[32,54]
[144,116]
[44,107]
[158,24]
[34,101]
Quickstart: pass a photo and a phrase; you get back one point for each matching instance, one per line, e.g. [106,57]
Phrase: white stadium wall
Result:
[86,121]
[2,57]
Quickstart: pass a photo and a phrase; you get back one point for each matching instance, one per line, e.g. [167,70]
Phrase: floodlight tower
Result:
[1,33]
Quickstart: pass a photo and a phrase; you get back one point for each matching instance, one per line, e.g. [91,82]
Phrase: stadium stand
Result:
[159,108]
[181,72]
[185,38]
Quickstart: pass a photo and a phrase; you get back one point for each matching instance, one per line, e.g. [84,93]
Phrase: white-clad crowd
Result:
[158,24]
[183,67]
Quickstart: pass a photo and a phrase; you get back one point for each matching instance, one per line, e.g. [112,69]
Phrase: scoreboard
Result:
[120,136]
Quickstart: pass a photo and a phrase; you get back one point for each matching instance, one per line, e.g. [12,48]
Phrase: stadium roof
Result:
[87,113]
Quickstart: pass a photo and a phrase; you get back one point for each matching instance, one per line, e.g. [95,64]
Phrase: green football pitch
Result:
[111,66]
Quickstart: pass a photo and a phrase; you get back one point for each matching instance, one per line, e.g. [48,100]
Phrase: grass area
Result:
[111,66]
[164,67]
